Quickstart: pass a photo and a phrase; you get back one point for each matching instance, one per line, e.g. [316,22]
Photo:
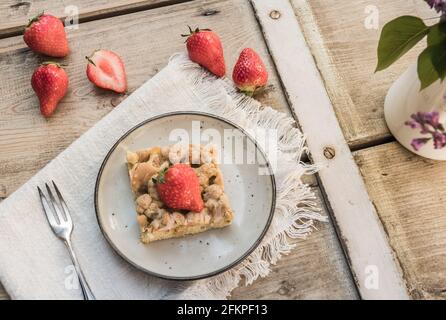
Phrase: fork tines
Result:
[55,208]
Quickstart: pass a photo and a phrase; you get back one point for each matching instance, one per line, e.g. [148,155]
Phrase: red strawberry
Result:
[249,72]
[46,34]
[204,47]
[50,82]
[179,188]
[106,70]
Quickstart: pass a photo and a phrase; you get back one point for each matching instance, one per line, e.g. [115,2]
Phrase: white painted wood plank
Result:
[374,267]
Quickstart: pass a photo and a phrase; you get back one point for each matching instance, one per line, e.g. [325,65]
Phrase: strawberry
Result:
[249,72]
[50,82]
[204,47]
[179,189]
[106,70]
[45,34]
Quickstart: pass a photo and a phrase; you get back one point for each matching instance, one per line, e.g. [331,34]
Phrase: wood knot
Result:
[18,5]
[286,288]
[329,153]
[210,13]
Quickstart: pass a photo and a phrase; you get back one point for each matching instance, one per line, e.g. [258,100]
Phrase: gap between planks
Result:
[100,13]
[373,143]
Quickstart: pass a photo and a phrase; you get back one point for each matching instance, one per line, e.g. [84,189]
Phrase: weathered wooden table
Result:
[391,209]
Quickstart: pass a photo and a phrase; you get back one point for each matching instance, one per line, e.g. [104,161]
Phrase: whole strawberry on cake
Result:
[178,191]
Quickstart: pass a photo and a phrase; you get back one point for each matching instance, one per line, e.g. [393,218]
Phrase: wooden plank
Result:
[363,237]
[409,196]
[345,52]
[14,15]
[316,269]
[145,40]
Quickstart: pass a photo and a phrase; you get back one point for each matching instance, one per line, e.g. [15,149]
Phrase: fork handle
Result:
[86,291]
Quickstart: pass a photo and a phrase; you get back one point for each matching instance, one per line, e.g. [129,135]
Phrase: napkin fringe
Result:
[296,207]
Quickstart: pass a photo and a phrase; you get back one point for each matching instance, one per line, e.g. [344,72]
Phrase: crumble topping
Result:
[153,216]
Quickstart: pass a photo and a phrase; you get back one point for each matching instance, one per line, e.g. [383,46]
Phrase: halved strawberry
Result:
[106,70]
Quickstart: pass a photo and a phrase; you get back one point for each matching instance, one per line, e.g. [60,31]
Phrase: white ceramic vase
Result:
[414,117]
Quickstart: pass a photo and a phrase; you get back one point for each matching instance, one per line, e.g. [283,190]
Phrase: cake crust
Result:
[155,219]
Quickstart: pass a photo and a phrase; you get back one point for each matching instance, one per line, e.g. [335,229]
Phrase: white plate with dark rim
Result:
[252,197]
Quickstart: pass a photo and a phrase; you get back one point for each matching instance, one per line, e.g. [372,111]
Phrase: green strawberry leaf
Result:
[161,176]
[34,19]
[427,72]
[397,38]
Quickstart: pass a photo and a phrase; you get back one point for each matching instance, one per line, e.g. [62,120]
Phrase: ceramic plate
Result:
[252,197]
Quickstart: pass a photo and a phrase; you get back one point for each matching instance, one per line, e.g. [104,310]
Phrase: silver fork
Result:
[60,221]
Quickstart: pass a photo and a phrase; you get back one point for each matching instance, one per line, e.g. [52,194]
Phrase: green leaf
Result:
[437,34]
[398,37]
[426,70]
[438,56]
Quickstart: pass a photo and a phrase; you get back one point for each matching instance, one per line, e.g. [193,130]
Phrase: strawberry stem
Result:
[191,32]
[90,61]
[34,19]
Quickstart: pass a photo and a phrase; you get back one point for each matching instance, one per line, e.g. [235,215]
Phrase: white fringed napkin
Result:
[34,264]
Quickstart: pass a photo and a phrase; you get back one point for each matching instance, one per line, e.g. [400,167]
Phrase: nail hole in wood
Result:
[329,153]
[275,14]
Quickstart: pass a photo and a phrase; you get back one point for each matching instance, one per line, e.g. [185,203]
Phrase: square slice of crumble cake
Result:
[156,220]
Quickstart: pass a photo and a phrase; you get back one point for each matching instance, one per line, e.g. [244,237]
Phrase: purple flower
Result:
[433,118]
[429,124]
[418,143]
[430,118]
[413,124]
[439,140]
[439,5]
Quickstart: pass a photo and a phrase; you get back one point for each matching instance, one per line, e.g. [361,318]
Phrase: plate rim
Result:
[209,274]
